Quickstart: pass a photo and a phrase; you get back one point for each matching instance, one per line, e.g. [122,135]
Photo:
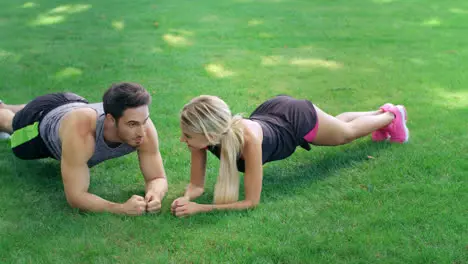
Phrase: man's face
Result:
[131,127]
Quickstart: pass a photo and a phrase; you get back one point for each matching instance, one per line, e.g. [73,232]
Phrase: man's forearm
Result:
[94,203]
[158,186]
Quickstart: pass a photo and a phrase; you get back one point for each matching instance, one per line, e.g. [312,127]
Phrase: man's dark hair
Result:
[121,96]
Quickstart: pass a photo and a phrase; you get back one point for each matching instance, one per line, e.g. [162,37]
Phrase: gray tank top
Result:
[49,130]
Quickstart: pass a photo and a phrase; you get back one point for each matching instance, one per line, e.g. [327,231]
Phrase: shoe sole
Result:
[406,113]
[4,136]
[402,110]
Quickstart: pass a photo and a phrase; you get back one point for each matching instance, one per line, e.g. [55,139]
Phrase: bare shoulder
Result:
[252,150]
[79,122]
[253,134]
[77,134]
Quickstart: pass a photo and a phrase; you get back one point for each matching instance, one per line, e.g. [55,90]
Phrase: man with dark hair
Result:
[66,127]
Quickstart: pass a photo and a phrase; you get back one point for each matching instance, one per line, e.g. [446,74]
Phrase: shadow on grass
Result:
[288,180]
[294,175]
[44,173]
[280,180]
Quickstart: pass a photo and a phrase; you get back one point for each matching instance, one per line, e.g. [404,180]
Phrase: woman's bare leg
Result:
[350,116]
[334,131]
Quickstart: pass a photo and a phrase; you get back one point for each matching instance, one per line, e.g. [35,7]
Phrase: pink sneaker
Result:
[382,134]
[397,129]
[404,109]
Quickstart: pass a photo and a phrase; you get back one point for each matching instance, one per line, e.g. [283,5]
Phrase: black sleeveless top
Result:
[284,121]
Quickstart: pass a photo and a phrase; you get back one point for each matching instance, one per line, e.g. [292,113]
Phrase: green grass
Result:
[408,204]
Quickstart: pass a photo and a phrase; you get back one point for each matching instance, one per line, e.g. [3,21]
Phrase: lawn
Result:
[364,202]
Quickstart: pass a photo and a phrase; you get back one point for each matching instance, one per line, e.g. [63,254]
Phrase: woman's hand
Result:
[179,201]
[182,207]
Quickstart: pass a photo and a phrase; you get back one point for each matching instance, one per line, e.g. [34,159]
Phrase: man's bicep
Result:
[76,151]
[151,165]
[149,156]
[75,178]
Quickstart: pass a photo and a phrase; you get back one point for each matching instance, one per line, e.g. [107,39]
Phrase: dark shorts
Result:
[299,116]
[26,141]
[286,124]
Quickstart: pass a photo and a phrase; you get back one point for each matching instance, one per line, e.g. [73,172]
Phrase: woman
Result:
[272,132]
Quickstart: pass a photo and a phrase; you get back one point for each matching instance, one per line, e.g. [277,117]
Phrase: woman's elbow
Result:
[253,203]
[73,201]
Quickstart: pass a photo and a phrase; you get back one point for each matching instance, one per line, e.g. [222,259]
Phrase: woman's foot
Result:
[382,134]
[398,130]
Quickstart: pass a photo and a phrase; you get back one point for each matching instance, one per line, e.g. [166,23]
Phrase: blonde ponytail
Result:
[227,185]
[210,116]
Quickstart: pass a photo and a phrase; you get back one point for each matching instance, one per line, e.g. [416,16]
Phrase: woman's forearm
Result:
[240,205]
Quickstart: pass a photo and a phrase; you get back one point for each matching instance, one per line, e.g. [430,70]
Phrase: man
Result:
[65,127]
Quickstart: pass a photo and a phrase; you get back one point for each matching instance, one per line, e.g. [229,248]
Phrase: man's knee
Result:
[6,119]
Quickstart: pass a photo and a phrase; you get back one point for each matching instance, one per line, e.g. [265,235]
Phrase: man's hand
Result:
[153,202]
[151,166]
[136,205]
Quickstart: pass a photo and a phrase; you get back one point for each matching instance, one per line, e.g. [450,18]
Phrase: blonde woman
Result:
[272,132]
